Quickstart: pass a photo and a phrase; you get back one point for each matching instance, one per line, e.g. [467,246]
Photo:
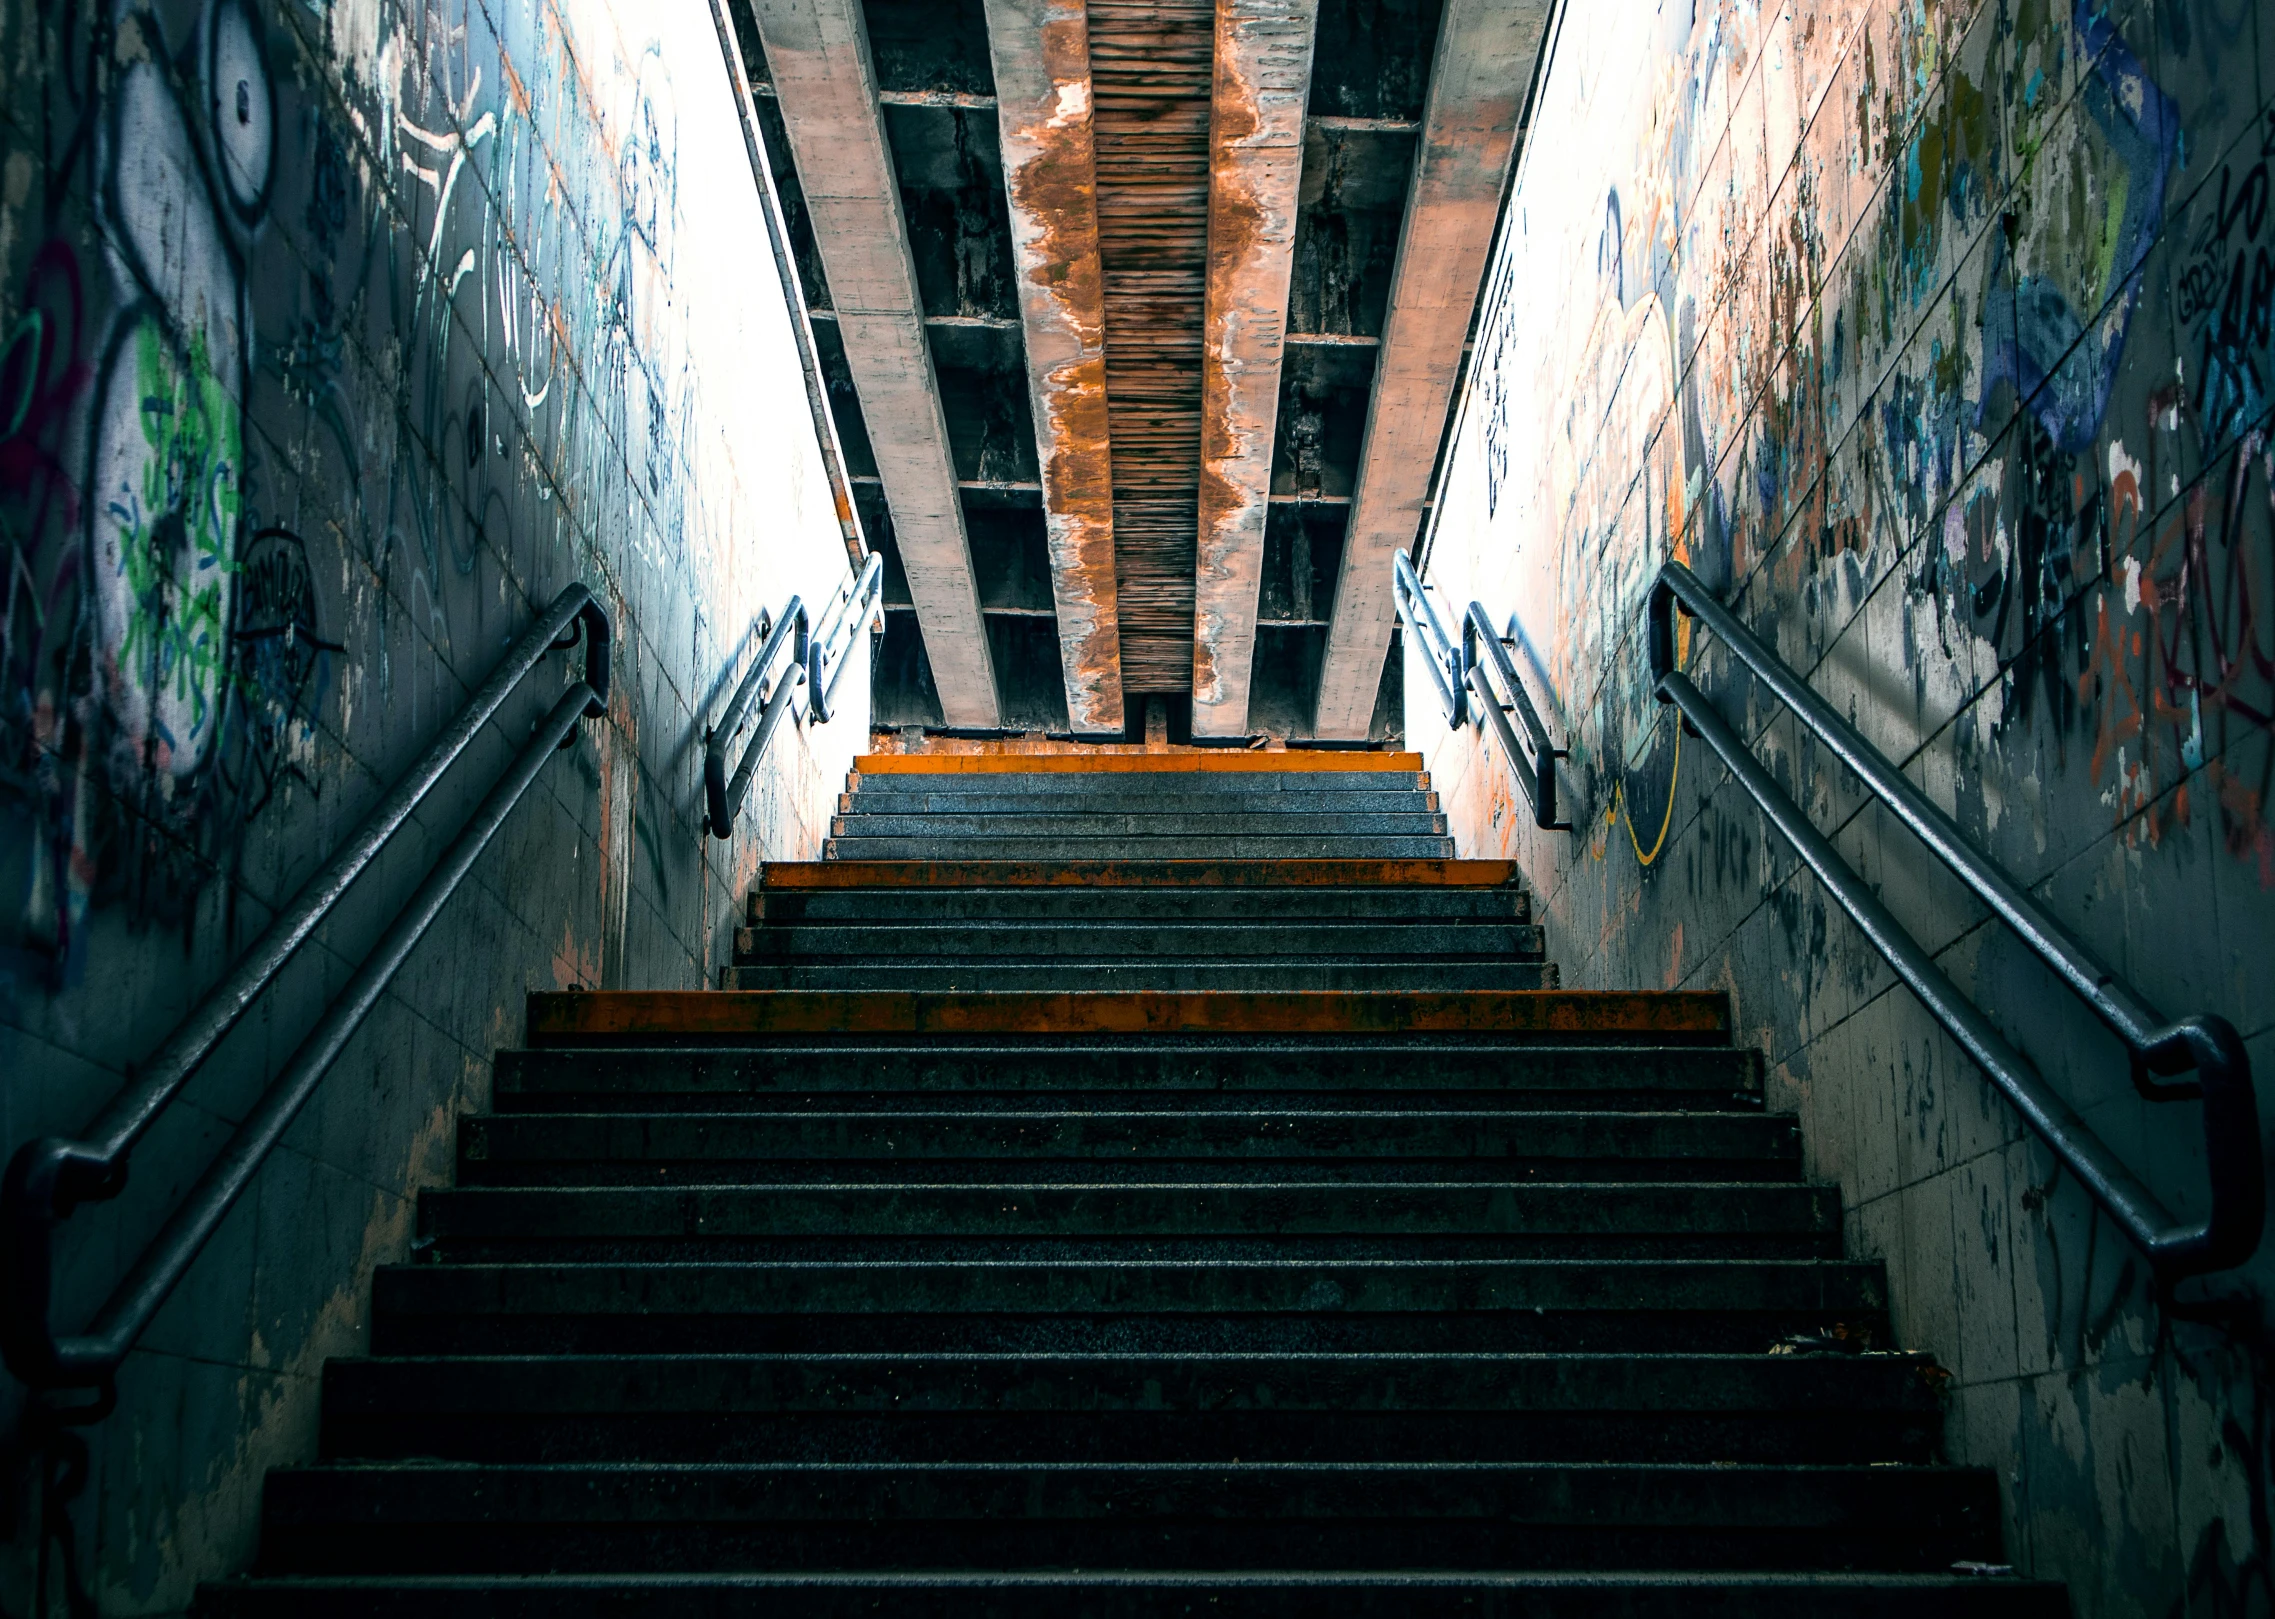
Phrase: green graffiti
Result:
[178,553]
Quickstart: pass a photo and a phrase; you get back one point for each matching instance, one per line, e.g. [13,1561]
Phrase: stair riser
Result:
[1384,1073]
[1741,1307]
[875,1330]
[1166,977]
[424,1518]
[961,1543]
[1043,1597]
[1445,1211]
[1229,846]
[1230,1143]
[875,799]
[1139,829]
[554,1173]
[1417,907]
[1116,785]
[1766,1436]
[964,943]
[1072,1387]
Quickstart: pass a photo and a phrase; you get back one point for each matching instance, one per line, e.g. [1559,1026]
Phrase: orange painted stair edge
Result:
[1021,764]
[721,1014]
[783,874]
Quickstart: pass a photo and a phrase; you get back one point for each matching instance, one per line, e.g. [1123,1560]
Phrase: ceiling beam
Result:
[817,52]
[1262,81]
[1478,80]
[1041,53]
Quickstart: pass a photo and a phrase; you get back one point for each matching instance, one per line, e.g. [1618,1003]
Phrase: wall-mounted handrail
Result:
[1468,670]
[817,662]
[1534,759]
[1441,655]
[48,1178]
[722,795]
[850,611]
[2206,1044]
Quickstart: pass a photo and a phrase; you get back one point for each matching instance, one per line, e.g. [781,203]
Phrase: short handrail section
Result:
[723,795]
[48,1178]
[1466,674]
[2205,1044]
[816,660]
[850,612]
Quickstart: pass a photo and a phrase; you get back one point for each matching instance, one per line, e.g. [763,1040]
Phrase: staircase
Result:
[1171,1186]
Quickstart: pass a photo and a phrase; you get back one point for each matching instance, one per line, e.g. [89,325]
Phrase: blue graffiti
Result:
[2062,359]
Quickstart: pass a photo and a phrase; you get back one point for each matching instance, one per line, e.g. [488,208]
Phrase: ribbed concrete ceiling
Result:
[1162,319]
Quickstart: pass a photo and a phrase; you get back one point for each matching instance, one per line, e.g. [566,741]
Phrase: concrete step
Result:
[877,798]
[1088,1406]
[1095,871]
[1070,847]
[1146,974]
[1349,1594]
[1392,908]
[1219,1304]
[442,1517]
[645,1017]
[1140,830]
[957,1220]
[1385,1071]
[975,941]
[685,1148]
[1285,772]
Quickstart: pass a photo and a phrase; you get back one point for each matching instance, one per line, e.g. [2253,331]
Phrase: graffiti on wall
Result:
[301,371]
[1937,339]
[2033,383]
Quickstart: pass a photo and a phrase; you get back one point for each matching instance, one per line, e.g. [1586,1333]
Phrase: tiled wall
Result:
[1936,339]
[334,340]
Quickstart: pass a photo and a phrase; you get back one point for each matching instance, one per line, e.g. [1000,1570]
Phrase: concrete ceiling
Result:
[1142,320]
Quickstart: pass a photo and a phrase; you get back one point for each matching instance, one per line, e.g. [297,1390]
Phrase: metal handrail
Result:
[1537,753]
[850,611]
[1439,651]
[723,796]
[817,662]
[2207,1044]
[1460,673]
[48,1178]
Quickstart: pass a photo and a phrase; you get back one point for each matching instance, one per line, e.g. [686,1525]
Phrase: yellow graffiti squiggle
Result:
[1667,820]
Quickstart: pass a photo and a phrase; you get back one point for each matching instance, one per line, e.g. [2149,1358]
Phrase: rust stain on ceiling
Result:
[1150,65]
[1262,77]
[1041,51]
